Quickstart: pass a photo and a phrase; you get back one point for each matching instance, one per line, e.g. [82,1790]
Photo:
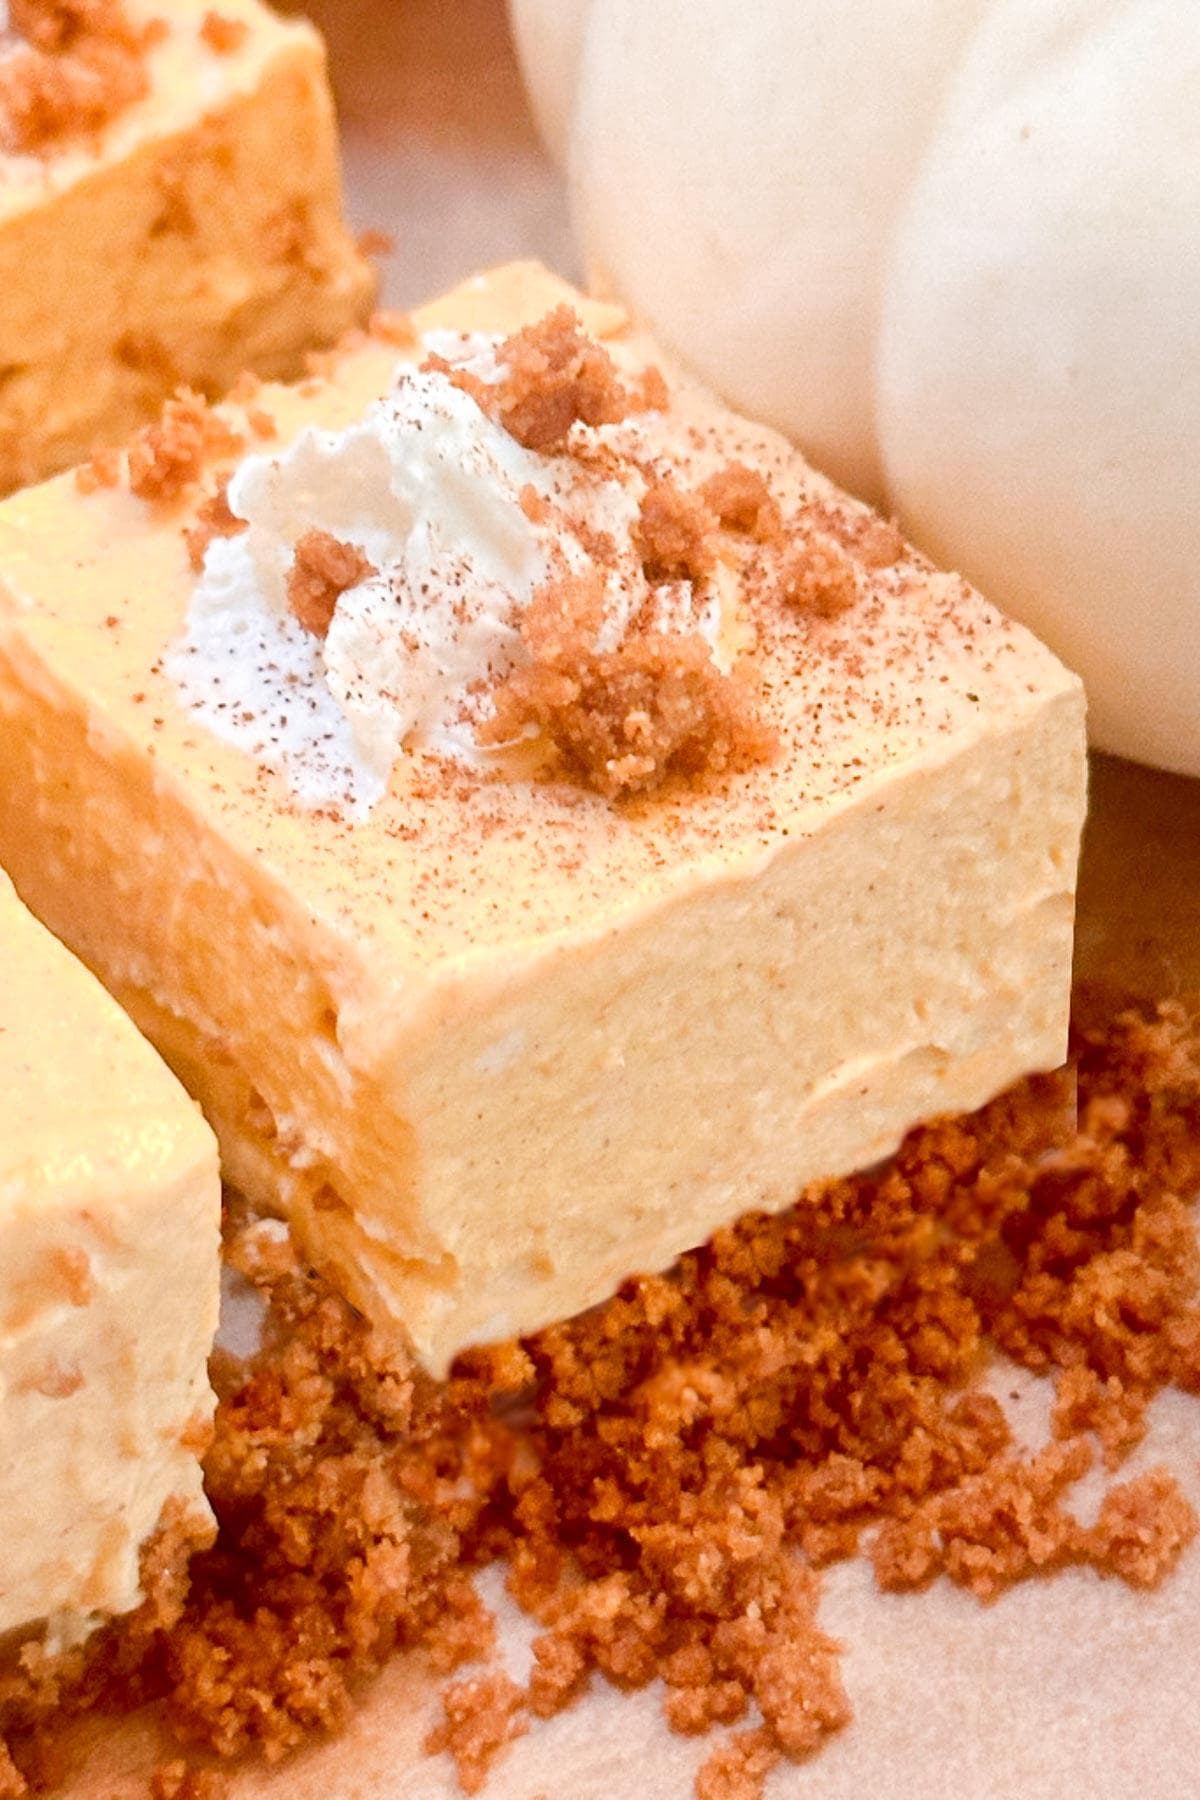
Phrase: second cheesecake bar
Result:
[558,823]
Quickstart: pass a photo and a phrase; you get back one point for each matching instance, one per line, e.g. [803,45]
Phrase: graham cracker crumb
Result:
[102,470]
[374,242]
[555,376]
[741,500]
[817,576]
[653,393]
[1143,1529]
[176,1780]
[213,519]
[1116,1414]
[223,36]
[167,458]
[323,569]
[738,1769]
[874,542]
[993,1529]
[482,1717]
[674,533]
[623,721]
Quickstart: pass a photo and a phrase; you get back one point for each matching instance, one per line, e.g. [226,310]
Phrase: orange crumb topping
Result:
[674,533]
[742,501]
[213,519]
[320,574]
[176,1781]
[262,424]
[654,395]
[874,542]
[223,36]
[168,457]
[81,63]
[623,721]
[663,1475]
[102,470]
[816,575]
[555,376]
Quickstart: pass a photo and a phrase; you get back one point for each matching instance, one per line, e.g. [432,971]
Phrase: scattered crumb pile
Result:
[80,64]
[664,1476]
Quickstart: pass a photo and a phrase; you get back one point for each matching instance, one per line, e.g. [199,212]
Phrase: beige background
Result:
[1072,1688]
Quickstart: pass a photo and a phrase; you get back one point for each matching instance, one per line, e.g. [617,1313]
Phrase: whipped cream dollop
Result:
[461,524]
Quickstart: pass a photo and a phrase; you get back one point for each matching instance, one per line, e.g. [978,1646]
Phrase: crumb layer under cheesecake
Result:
[502,1042]
[109,1226]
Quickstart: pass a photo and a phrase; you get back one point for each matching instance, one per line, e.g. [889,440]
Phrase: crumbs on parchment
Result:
[664,1476]
[480,1716]
[323,568]
[81,62]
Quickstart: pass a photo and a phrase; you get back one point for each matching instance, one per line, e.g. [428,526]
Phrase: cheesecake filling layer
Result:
[109,1238]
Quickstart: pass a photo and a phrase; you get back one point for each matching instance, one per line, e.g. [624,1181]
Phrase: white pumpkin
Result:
[953,248]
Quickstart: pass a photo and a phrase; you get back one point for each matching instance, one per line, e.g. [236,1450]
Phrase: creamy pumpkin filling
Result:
[109,1212]
[710,843]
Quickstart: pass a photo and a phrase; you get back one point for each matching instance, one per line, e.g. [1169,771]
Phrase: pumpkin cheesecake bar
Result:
[538,815]
[170,211]
[109,1223]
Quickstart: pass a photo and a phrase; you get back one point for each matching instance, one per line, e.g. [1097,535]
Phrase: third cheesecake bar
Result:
[109,1237]
[560,822]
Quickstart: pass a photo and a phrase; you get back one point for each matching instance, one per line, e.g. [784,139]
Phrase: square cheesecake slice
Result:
[170,212]
[109,1270]
[561,822]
